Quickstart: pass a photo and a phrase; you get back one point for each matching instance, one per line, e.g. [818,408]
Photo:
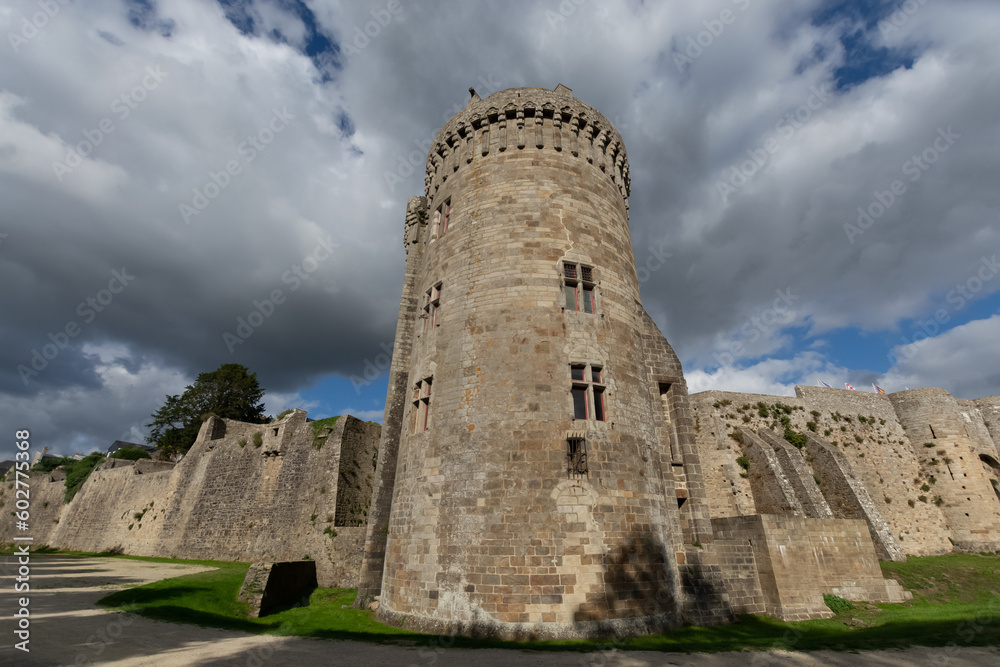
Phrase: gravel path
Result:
[67,629]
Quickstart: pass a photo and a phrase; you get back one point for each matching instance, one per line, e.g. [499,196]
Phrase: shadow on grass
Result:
[207,599]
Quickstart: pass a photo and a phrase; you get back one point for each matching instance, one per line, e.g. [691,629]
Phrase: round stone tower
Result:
[538,471]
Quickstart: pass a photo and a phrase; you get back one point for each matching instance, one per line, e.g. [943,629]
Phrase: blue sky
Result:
[293,131]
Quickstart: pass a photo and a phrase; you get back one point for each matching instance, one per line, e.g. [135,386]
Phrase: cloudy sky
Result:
[815,188]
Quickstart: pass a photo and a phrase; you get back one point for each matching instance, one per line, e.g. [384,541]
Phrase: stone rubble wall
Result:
[227,499]
[848,497]
[45,496]
[772,490]
[803,481]
[925,503]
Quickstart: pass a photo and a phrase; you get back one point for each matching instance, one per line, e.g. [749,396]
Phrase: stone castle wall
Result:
[228,499]
[931,498]
[798,560]
[46,493]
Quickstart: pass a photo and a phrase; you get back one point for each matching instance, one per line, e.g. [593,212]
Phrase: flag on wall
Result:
[849,386]
[825,384]
[878,389]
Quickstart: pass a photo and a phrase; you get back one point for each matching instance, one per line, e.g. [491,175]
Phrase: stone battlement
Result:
[532,119]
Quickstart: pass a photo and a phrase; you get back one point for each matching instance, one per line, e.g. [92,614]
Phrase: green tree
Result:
[231,392]
[131,454]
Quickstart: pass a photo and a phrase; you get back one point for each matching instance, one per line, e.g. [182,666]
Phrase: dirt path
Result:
[67,629]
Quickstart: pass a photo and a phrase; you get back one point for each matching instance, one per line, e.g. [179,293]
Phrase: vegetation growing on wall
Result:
[322,428]
[131,454]
[77,472]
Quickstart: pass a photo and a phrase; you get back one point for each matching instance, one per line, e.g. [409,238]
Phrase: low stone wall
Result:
[800,559]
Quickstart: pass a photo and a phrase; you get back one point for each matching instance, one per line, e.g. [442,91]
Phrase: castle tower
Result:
[961,461]
[537,472]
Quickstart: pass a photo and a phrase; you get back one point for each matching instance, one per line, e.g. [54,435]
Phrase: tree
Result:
[231,392]
[131,454]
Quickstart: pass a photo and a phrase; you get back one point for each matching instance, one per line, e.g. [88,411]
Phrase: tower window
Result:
[588,391]
[576,458]
[432,302]
[444,216]
[422,404]
[579,285]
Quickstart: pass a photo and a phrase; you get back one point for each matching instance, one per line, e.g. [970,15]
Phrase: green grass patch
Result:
[956,600]
[321,430]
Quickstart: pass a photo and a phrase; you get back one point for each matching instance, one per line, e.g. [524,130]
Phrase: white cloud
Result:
[965,361]
[685,131]
[367,415]
[776,377]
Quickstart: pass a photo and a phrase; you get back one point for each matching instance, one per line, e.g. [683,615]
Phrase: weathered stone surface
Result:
[798,559]
[228,499]
[498,509]
[487,530]
[270,587]
[916,465]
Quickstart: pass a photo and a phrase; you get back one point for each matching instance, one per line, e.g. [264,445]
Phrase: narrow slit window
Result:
[444,216]
[432,304]
[422,405]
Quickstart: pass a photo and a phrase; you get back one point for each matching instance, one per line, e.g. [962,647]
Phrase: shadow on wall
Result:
[635,583]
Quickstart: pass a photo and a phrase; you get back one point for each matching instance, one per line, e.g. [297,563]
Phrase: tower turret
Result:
[544,479]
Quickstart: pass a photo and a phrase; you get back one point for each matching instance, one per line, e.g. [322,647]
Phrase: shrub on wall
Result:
[131,454]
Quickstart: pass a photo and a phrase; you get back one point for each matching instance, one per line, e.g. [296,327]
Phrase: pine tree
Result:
[231,392]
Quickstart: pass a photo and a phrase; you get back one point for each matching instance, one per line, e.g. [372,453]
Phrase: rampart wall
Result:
[931,498]
[227,499]
[46,493]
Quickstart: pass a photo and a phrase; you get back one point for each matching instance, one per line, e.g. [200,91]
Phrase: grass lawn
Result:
[956,599]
